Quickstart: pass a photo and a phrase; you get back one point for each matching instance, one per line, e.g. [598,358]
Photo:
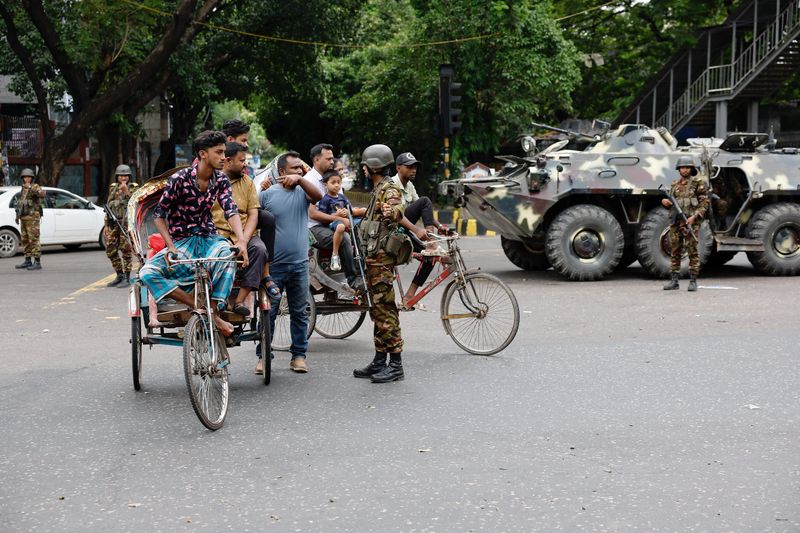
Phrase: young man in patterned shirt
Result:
[183,218]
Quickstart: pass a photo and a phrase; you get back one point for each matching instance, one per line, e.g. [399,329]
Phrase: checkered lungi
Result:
[161,281]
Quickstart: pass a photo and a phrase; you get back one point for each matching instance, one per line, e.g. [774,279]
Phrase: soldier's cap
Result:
[27,172]
[407,159]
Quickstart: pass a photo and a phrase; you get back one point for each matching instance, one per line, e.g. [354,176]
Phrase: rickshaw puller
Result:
[183,218]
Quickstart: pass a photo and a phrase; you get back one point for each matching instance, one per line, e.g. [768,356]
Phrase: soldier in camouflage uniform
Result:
[28,215]
[385,211]
[118,249]
[691,194]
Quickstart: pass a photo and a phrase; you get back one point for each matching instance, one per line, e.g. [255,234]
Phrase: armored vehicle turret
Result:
[588,212]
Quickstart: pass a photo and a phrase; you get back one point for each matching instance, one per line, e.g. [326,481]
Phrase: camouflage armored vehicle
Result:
[589,212]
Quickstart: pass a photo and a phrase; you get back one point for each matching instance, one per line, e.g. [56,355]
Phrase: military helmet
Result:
[686,161]
[123,170]
[27,172]
[377,156]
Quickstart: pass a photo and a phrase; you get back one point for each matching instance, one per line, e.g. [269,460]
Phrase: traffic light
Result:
[449,100]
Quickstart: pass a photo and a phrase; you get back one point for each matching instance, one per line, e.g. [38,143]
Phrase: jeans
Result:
[293,278]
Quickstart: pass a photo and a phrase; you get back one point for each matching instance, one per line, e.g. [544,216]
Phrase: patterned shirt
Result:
[187,210]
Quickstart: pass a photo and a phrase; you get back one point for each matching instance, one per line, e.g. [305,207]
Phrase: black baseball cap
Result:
[407,159]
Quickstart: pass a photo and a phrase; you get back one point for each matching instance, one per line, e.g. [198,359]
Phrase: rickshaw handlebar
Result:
[173,258]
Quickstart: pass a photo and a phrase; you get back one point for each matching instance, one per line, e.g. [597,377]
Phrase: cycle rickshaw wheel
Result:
[281,337]
[482,317]
[206,381]
[339,325]
[136,351]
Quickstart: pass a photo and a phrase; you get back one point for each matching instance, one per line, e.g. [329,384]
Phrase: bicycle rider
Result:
[183,218]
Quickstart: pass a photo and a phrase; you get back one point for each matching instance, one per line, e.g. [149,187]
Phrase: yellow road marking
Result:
[96,286]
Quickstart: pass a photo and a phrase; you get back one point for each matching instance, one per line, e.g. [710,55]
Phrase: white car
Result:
[68,219]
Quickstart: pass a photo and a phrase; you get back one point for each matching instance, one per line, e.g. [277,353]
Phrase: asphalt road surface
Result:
[619,407]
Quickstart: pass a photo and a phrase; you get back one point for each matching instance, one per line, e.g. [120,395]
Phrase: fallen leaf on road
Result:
[423,450]
[134,505]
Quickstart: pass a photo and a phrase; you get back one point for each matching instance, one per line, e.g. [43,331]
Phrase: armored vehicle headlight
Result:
[528,144]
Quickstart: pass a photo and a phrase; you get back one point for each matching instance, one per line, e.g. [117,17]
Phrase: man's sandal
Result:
[271,288]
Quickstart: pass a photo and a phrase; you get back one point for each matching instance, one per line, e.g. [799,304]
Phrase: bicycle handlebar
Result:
[173,258]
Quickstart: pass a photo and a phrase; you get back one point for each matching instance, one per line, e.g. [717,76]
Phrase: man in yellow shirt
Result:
[244,194]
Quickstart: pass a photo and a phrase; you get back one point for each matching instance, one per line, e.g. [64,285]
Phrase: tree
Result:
[634,38]
[389,93]
[110,58]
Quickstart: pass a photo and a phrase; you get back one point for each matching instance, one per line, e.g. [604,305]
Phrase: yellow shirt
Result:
[244,194]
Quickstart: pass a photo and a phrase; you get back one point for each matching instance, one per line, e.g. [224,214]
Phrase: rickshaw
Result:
[205,350]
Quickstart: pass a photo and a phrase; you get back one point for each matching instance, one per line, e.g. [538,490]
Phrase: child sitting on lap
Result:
[335,203]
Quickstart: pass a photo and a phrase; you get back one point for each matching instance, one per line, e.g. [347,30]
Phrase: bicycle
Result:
[484,319]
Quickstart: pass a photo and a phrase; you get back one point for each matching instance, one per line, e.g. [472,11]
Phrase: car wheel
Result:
[102,240]
[9,242]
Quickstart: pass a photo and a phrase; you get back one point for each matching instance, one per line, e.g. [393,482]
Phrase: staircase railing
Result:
[721,80]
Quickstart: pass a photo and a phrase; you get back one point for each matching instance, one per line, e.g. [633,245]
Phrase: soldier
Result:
[692,197]
[382,217]
[28,215]
[118,249]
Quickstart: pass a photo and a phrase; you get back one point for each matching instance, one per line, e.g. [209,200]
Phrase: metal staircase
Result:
[755,68]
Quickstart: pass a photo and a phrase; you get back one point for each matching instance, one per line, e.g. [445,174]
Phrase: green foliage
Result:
[635,39]
[387,93]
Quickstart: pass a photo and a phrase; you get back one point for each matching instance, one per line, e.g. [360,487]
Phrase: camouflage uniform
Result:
[692,197]
[380,275]
[118,249]
[29,213]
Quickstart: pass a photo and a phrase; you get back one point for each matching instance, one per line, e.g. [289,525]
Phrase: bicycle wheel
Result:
[339,325]
[206,381]
[282,336]
[482,316]
[266,351]
[136,351]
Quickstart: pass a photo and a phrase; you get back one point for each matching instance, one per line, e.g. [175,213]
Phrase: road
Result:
[619,407]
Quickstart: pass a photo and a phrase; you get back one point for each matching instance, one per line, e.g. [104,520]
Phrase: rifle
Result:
[679,214]
[357,247]
[122,229]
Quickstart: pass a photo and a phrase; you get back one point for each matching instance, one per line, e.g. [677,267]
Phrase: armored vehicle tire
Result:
[778,227]
[525,255]
[584,243]
[652,243]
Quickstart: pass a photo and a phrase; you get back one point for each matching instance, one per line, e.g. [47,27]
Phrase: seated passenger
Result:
[183,218]
[336,204]
[322,161]
[246,199]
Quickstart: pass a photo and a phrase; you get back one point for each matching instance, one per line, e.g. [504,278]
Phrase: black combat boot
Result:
[392,372]
[672,284]
[116,281]
[377,364]
[692,283]
[126,281]
[24,264]
[37,264]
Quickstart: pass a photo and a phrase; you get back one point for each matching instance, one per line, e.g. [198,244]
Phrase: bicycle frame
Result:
[202,283]
[455,267]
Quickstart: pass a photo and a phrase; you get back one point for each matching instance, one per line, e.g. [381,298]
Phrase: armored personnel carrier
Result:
[588,212]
